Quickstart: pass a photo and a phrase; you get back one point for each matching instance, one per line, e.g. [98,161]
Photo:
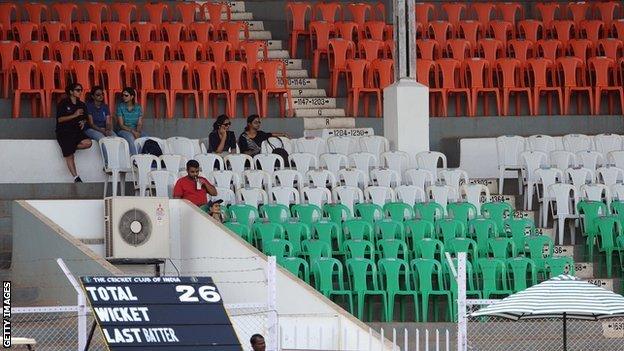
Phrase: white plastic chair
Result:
[508,149]
[238,162]
[139,142]
[476,194]
[163,182]
[605,143]
[577,142]
[431,161]
[284,195]
[255,178]
[409,194]
[267,146]
[348,196]
[616,158]
[352,177]
[454,178]
[115,155]
[385,177]
[441,194]
[363,161]
[590,159]
[532,161]
[182,146]
[303,161]
[609,175]
[617,192]
[268,162]
[316,196]
[314,145]
[226,194]
[374,144]
[141,167]
[562,159]
[379,195]
[320,178]
[547,177]
[596,192]
[252,196]
[173,163]
[288,177]
[563,209]
[207,162]
[334,162]
[343,145]
[419,177]
[224,179]
[579,176]
[397,161]
[540,142]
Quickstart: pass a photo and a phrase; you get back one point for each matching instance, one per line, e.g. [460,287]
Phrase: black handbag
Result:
[279,150]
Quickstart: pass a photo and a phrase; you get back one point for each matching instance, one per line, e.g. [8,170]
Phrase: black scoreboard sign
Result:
[160,313]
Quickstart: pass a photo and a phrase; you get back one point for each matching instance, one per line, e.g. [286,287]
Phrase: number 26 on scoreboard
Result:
[206,293]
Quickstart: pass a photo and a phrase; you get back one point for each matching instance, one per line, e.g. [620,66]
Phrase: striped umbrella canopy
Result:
[563,296]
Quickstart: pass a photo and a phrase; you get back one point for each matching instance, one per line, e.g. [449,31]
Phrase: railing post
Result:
[272,303]
[81,302]
[462,323]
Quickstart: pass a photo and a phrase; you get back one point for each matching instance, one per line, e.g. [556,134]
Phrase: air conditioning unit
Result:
[137,227]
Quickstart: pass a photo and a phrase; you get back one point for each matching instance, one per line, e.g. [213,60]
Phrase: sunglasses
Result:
[79,90]
[227,124]
[126,95]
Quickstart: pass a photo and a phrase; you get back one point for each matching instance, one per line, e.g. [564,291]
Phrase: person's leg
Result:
[94,134]
[130,139]
[84,144]
[71,165]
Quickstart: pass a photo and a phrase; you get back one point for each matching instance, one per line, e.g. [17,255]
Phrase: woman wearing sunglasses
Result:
[251,139]
[130,118]
[221,139]
[71,114]
[100,123]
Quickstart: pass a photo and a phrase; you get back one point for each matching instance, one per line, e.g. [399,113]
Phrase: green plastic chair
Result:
[368,211]
[430,211]
[589,211]
[359,249]
[307,213]
[239,229]
[337,213]
[399,211]
[275,213]
[393,248]
[389,229]
[330,233]
[462,211]
[466,245]
[559,265]
[427,277]
[448,229]
[618,210]
[329,273]
[482,230]
[539,248]
[418,229]
[245,214]
[471,286]
[522,273]
[297,266]
[502,248]
[359,270]
[296,232]
[498,212]
[278,248]
[493,277]
[429,249]
[620,245]
[358,229]
[314,249]
[517,229]
[265,232]
[395,280]
[609,229]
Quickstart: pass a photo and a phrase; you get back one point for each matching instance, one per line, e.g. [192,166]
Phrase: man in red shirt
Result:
[193,187]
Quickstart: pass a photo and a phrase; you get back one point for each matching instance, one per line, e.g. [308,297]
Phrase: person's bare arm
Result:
[67,118]
[93,126]
[282,135]
[212,191]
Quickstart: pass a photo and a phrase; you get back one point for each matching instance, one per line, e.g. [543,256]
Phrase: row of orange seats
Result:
[45,79]
[504,77]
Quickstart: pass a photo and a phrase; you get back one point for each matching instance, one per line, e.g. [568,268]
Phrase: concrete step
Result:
[322,123]
[239,16]
[257,35]
[510,199]
[278,54]
[296,73]
[612,284]
[584,270]
[236,6]
[314,102]
[255,25]
[302,83]
[275,44]
[308,93]
[320,112]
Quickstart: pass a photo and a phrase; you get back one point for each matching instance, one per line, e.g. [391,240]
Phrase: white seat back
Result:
[577,142]
[409,194]
[589,159]
[441,194]
[207,162]
[182,146]
[616,158]
[531,161]
[617,191]
[141,167]
[315,146]
[431,161]
[543,143]
[610,175]
[252,196]
[316,196]
[139,142]
[284,195]
[268,162]
[419,177]
[255,178]
[226,194]
[363,161]
[475,194]
[163,182]
[352,177]
[173,163]
[267,146]
[508,149]
[348,196]
[397,161]
[549,176]
[303,161]
[385,177]
[343,145]
[117,154]
[454,178]
[374,144]
[562,193]
[320,178]
[562,159]
[224,179]
[579,176]
[605,143]
[379,195]
[596,192]
[288,177]
[334,162]
[238,162]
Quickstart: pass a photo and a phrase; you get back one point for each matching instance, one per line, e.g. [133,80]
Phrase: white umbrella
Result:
[561,297]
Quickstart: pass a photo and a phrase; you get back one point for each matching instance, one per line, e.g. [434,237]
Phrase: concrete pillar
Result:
[406,116]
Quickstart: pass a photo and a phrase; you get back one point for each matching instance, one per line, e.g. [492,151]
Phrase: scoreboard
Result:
[160,313]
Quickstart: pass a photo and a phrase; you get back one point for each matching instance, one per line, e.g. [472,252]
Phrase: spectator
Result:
[251,139]
[214,210]
[100,123]
[221,139]
[71,114]
[257,342]
[194,188]
[130,119]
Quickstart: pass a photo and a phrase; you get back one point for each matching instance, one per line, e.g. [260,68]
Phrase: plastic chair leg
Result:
[425,307]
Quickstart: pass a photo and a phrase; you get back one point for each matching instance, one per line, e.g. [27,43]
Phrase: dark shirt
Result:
[98,114]
[214,140]
[66,108]
[244,146]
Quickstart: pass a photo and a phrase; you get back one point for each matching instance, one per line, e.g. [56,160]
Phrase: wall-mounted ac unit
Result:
[137,227]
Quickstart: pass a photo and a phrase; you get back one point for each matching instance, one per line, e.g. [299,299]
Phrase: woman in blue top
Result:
[130,119]
[100,123]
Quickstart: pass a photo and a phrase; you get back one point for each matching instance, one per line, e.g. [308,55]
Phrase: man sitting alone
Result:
[194,188]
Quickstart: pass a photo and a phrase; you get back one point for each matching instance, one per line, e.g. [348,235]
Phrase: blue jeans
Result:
[130,139]
[96,135]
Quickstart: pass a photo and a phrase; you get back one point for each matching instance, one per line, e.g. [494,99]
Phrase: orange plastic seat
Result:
[112,74]
[382,73]
[207,82]
[53,31]
[371,49]
[483,12]
[25,73]
[114,32]
[531,30]
[94,11]
[602,78]
[143,32]
[98,51]
[426,75]
[360,13]
[440,31]
[124,11]
[201,31]
[190,51]
[319,38]
[379,11]
[562,31]
[510,11]
[541,77]
[174,33]
[508,73]
[458,49]
[9,51]
[23,32]
[578,11]
[550,49]
[347,30]
[424,13]
[84,32]
[237,80]
[83,72]
[618,29]
[520,49]
[188,11]
[65,52]
[581,48]
[231,32]
[271,76]
[471,31]
[501,30]
[477,73]
[158,51]
[128,52]
[214,10]
[36,51]
[254,51]
[328,11]
[8,11]
[35,12]
[571,75]
[340,51]
[375,30]
[155,12]
[389,48]
[592,30]
[491,50]
[64,13]
[219,52]
[548,12]
[454,12]
[178,79]
[610,47]
[296,14]
[449,75]
[606,11]
[149,82]
[358,72]
[51,78]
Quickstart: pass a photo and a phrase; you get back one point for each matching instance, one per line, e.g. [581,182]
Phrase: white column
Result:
[272,320]
[462,322]
[406,116]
